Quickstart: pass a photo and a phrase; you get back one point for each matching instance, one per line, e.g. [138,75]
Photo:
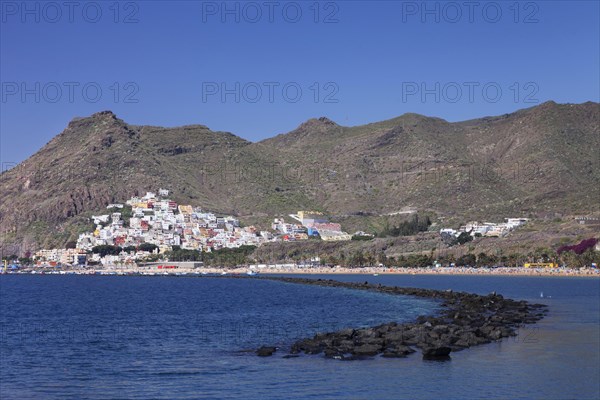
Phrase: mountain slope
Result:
[543,158]
[540,160]
[100,160]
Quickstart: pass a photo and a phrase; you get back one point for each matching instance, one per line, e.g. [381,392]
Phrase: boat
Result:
[252,273]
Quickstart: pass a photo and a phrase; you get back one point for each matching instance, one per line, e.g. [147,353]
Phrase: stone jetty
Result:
[465,320]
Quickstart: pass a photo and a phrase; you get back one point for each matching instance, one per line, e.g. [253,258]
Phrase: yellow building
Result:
[308,214]
[541,265]
[185,209]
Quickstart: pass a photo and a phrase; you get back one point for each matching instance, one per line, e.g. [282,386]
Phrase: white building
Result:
[100,219]
[515,222]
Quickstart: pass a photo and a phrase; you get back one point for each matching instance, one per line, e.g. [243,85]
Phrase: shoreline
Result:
[153,271]
[592,273]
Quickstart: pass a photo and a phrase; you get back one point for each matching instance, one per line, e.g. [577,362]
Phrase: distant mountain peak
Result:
[415,117]
[104,113]
[547,105]
[321,122]
[326,121]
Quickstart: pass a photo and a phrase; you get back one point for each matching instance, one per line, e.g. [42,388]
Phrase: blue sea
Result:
[105,337]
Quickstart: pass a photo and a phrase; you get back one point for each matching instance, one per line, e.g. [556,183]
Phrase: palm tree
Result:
[358,259]
[370,259]
[514,259]
[382,258]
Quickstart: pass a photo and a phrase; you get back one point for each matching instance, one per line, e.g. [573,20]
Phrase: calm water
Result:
[160,337]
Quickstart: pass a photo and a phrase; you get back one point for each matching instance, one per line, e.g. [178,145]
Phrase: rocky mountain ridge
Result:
[536,161]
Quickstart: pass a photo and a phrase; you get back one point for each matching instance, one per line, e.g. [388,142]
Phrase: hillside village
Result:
[153,226]
[157,220]
[486,229]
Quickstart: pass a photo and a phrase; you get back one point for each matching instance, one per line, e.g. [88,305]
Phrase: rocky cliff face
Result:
[539,160]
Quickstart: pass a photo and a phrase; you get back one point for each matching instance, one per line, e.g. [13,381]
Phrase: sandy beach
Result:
[296,270]
[436,271]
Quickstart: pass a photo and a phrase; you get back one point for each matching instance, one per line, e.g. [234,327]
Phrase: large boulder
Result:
[332,353]
[367,350]
[398,351]
[346,333]
[266,351]
[436,352]
[394,336]
[308,346]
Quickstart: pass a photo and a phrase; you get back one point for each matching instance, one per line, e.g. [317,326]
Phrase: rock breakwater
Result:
[465,320]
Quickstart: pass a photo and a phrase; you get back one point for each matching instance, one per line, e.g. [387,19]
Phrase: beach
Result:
[304,270]
[435,271]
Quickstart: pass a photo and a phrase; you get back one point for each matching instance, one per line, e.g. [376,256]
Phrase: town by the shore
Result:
[154,235]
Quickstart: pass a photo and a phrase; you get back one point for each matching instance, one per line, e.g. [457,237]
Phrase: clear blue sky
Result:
[372,59]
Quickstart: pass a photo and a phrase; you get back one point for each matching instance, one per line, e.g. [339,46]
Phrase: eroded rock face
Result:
[466,320]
